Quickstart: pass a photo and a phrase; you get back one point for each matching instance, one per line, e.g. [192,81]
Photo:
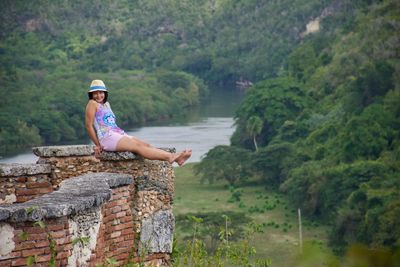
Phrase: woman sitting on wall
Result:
[106,135]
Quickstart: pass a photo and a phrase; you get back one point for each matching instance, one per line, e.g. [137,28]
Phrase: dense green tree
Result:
[253,127]
[330,137]
[225,163]
[274,101]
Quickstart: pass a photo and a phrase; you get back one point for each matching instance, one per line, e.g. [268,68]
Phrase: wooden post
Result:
[300,231]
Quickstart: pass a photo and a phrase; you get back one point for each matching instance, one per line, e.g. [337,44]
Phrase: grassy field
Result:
[280,238]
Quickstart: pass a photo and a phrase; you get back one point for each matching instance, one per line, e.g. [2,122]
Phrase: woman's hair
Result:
[90,95]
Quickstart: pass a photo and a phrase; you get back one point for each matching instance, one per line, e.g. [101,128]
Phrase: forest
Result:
[321,123]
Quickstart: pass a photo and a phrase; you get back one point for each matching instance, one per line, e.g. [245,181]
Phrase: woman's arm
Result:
[91,109]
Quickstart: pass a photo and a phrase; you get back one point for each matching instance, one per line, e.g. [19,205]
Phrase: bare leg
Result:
[140,141]
[145,150]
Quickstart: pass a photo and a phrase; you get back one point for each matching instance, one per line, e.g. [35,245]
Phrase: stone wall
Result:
[22,182]
[118,208]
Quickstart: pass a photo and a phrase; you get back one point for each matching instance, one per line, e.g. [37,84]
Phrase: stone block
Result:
[63,151]
[15,169]
[157,232]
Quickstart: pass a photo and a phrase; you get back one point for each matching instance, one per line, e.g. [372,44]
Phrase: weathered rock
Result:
[4,213]
[157,232]
[63,151]
[115,156]
[16,169]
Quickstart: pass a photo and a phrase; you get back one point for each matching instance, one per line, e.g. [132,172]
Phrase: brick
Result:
[5,263]
[129,237]
[126,219]
[25,192]
[108,212]
[110,217]
[115,197]
[32,179]
[118,239]
[62,263]
[62,241]
[22,199]
[123,226]
[45,190]
[34,230]
[21,179]
[19,262]
[67,247]
[38,185]
[115,234]
[127,231]
[126,244]
[43,258]
[37,237]
[56,227]
[62,255]
[116,209]
[121,214]
[41,244]
[58,234]
[111,204]
[121,202]
[31,252]
[125,207]
[115,222]
[25,245]
[125,193]
[123,256]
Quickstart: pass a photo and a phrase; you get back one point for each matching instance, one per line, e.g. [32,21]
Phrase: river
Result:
[201,129]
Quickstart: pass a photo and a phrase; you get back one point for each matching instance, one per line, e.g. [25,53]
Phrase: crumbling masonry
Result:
[72,209]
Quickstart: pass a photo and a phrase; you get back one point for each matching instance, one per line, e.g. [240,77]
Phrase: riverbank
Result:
[280,237]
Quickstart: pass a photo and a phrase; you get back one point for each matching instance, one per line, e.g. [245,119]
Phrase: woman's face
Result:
[98,96]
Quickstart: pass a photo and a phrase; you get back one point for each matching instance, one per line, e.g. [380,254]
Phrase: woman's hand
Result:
[97,151]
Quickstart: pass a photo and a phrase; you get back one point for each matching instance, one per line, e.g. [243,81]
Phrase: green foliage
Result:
[23,235]
[55,112]
[50,51]
[226,163]
[206,226]
[53,250]
[302,62]
[330,122]
[326,131]
[226,253]
[30,210]
[273,161]
[111,261]
[273,101]
[31,260]
[82,240]
[41,224]
[253,127]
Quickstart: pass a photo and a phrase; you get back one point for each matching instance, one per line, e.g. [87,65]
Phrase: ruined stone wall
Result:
[118,208]
[23,182]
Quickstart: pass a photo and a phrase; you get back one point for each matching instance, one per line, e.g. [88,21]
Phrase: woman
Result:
[106,135]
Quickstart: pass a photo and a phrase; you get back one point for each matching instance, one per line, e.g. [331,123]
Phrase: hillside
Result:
[49,52]
[326,131]
[321,123]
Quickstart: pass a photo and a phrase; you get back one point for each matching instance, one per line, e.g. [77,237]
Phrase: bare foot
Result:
[183,156]
[174,157]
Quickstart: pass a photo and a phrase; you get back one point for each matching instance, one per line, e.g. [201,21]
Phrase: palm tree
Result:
[253,127]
